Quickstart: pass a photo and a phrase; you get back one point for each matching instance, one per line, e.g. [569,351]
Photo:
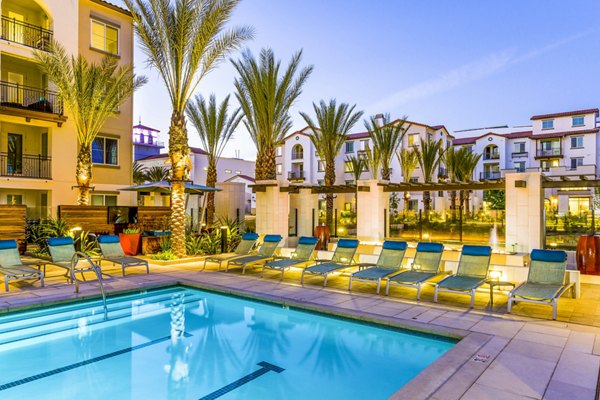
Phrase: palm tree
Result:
[138,173]
[407,158]
[156,173]
[184,40]
[373,161]
[386,140]
[429,155]
[92,93]
[329,134]
[453,159]
[215,127]
[358,165]
[465,174]
[266,96]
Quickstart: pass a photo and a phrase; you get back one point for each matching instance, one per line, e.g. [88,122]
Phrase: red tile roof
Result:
[467,140]
[523,134]
[562,134]
[518,135]
[566,113]
[113,7]
[147,128]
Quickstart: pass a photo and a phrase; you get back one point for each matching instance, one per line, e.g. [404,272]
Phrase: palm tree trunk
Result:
[453,204]
[266,168]
[385,173]
[211,180]
[83,175]
[406,200]
[462,201]
[179,154]
[427,203]
[329,181]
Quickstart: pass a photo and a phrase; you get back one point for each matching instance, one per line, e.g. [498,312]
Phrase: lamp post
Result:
[223,239]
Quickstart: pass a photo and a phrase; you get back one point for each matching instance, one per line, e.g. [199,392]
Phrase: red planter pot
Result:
[588,254]
[322,233]
[130,242]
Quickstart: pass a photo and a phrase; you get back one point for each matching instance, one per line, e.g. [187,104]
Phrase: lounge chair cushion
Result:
[476,251]
[430,247]
[8,244]
[325,268]
[110,247]
[308,240]
[462,283]
[61,249]
[250,236]
[60,241]
[109,239]
[394,245]
[548,255]
[272,238]
[537,291]
[347,243]
[373,273]
[412,277]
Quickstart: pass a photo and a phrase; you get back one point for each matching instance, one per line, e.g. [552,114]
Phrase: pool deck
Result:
[500,356]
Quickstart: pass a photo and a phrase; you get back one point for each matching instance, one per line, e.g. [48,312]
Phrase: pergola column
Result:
[272,210]
[524,215]
[307,202]
[370,206]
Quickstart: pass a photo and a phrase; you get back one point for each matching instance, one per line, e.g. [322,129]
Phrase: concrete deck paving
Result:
[501,356]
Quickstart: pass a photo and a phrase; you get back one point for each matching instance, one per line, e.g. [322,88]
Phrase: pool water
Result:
[182,343]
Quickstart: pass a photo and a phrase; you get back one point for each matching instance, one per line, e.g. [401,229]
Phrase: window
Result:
[413,139]
[547,164]
[105,151]
[520,147]
[320,182]
[576,162]
[347,207]
[348,166]
[238,172]
[548,124]
[104,199]
[14,199]
[278,151]
[578,121]
[105,37]
[440,193]
[228,171]
[364,144]
[279,169]
[520,166]
[413,205]
[297,152]
[320,166]
[414,179]
[576,142]
[349,147]
[349,182]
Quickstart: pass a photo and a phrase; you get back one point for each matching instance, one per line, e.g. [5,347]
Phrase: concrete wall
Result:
[230,202]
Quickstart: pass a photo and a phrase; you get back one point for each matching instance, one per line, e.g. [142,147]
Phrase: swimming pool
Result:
[183,343]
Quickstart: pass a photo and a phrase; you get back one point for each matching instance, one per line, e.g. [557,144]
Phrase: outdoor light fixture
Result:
[76,229]
[521,184]
[495,275]
[416,267]
[343,259]
[223,239]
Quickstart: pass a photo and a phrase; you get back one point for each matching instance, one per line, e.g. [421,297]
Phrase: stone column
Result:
[370,224]
[524,205]
[272,210]
[307,202]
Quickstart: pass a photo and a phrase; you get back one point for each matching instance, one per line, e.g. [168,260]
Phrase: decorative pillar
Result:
[524,211]
[272,209]
[306,202]
[370,203]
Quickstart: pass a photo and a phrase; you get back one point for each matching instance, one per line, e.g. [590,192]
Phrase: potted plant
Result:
[131,239]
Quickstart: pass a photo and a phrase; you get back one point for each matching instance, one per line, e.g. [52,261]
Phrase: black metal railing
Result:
[296,176]
[549,152]
[30,98]
[491,156]
[26,34]
[297,155]
[518,154]
[25,165]
[490,175]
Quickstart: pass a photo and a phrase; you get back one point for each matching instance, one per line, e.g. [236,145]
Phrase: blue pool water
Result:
[181,343]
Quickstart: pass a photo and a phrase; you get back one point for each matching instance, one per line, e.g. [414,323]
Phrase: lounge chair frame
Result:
[20,271]
[112,243]
[343,257]
[243,249]
[389,262]
[264,254]
[302,255]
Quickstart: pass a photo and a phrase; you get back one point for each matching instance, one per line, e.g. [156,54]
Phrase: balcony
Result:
[25,166]
[490,175]
[30,98]
[442,172]
[296,176]
[26,34]
[542,153]
[520,154]
[297,155]
[491,156]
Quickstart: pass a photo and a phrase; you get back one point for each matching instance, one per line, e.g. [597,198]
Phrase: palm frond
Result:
[429,155]
[386,139]
[407,158]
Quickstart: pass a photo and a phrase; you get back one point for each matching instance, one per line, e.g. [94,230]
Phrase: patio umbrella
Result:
[165,187]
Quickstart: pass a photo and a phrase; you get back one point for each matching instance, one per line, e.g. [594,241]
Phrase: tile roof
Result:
[113,7]
[523,134]
[562,134]
[195,150]
[246,177]
[467,140]
[140,126]
[566,113]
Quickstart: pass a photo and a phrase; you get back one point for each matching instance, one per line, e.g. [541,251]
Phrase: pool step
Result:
[66,322]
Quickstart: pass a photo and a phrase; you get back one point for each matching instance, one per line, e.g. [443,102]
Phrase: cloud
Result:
[473,71]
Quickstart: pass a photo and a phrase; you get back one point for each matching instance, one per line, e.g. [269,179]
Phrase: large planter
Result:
[322,233]
[130,242]
[588,254]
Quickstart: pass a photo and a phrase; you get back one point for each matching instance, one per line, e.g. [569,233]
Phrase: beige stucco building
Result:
[38,145]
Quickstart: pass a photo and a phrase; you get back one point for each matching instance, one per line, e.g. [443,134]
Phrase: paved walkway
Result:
[500,356]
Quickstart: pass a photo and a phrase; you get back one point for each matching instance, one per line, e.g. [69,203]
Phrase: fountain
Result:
[494,236]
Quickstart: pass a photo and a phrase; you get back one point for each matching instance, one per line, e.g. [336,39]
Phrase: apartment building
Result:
[146,142]
[298,161]
[563,145]
[38,144]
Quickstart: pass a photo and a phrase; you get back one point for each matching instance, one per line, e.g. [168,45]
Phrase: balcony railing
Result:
[297,155]
[549,153]
[519,154]
[30,98]
[486,175]
[296,176]
[442,172]
[25,166]
[491,156]
[26,34]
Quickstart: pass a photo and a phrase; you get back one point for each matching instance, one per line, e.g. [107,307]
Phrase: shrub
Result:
[164,256]
[193,245]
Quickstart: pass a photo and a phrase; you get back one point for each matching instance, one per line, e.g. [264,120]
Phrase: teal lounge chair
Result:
[425,266]
[63,254]
[388,263]
[343,257]
[302,255]
[545,281]
[243,249]
[110,247]
[471,273]
[265,253]
[11,266]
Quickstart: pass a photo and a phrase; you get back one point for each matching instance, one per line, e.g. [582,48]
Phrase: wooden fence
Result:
[95,218]
[13,221]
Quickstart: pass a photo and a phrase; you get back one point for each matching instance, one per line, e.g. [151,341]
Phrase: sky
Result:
[461,63]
